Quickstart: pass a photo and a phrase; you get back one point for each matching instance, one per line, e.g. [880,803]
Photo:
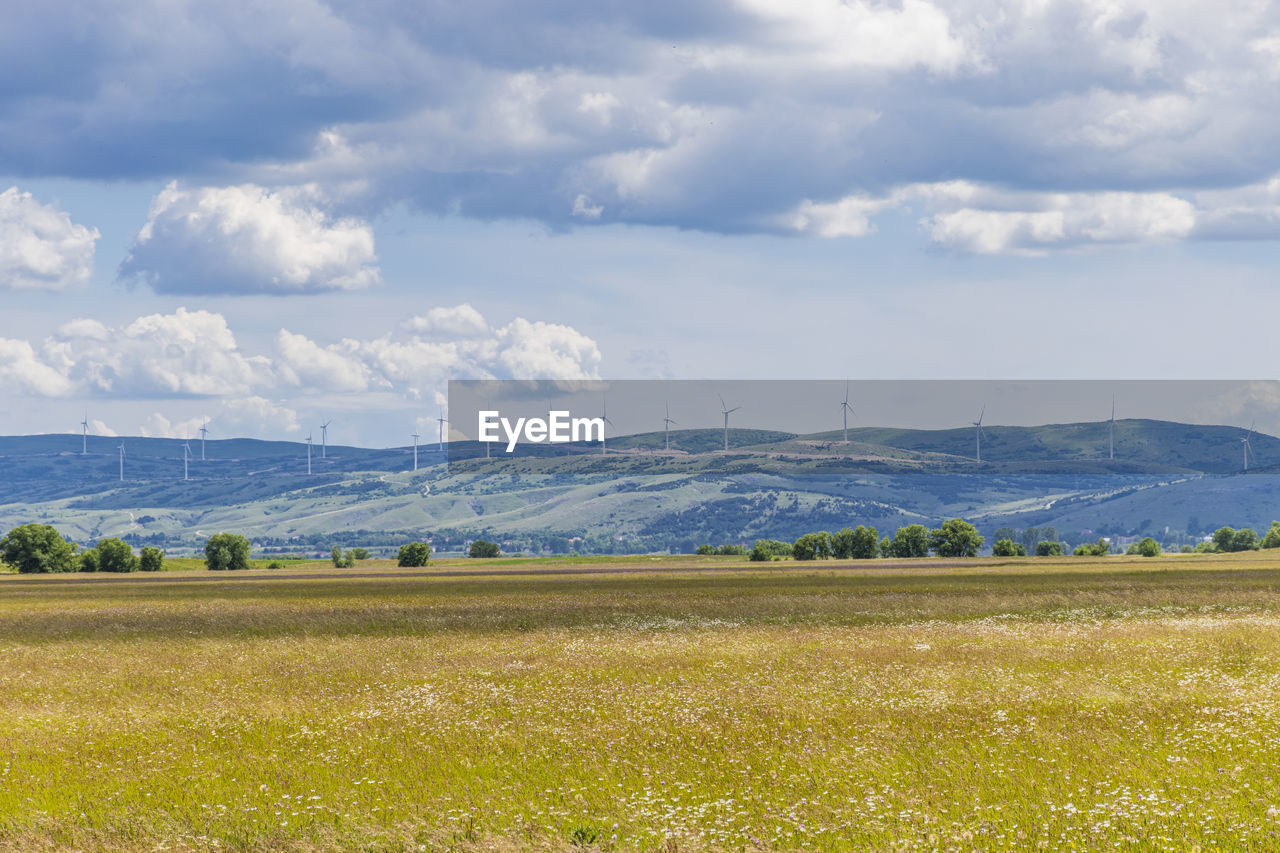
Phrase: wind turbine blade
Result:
[723,407]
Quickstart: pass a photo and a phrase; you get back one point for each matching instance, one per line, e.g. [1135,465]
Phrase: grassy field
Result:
[1033,704]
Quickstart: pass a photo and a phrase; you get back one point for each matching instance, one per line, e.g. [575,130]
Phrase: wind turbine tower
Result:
[204,431]
[846,410]
[415,451]
[308,453]
[84,435]
[1248,448]
[666,428]
[121,449]
[977,432]
[604,416]
[1111,431]
[726,411]
[442,420]
[324,436]
[186,457]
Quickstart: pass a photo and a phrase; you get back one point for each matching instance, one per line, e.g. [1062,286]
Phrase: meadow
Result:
[1026,704]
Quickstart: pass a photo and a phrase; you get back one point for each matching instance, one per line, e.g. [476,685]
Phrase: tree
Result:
[1030,536]
[731,551]
[955,538]
[866,543]
[1223,537]
[1244,540]
[88,560]
[38,549]
[842,543]
[705,550]
[910,541]
[226,552]
[773,547]
[414,555]
[116,556]
[1005,533]
[886,546]
[760,553]
[359,553]
[1272,539]
[1149,547]
[1048,549]
[1008,548]
[481,548]
[341,560]
[812,546]
[152,559]
[1048,533]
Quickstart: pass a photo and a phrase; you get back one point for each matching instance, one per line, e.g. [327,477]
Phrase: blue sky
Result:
[268,215]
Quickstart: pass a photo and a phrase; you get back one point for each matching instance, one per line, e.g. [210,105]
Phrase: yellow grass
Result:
[1034,704]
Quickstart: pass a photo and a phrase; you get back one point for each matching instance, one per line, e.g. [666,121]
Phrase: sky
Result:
[274,215]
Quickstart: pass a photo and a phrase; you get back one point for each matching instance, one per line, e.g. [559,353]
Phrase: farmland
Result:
[644,703]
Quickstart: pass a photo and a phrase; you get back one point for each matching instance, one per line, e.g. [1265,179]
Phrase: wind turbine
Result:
[186,455]
[415,451]
[308,453]
[324,436]
[84,435]
[977,426]
[442,421]
[726,411]
[1248,448]
[121,449]
[666,428]
[1111,431]
[604,416]
[204,430]
[845,410]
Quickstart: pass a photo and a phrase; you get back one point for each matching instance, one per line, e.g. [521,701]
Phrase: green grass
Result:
[1033,704]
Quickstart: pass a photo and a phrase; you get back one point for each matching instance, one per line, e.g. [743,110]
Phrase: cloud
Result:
[22,371]
[460,321]
[40,247]
[158,426]
[186,353]
[718,116]
[247,239]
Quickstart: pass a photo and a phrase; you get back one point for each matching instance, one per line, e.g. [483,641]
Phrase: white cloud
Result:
[186,353]
[248,239]
[459,321]
[304,363]
[158,426]
[546,351]
[980,219]
[97,427]
[22,371]
[40,247]
[254,415]
[856,33]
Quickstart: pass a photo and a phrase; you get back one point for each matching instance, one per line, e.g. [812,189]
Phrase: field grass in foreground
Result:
[1036,704]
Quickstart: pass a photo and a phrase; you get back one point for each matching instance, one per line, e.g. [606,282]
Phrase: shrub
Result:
[414,555]
[275,564]
[88,560]
[226,552]
[483,549]
[38,549]
[955,538]
[732,551]
[152,559]
[116,556]
[358,554]
[1101,548]
[910,541]
[705,550]
[1008,548]
[1272,539]
[1048,549]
